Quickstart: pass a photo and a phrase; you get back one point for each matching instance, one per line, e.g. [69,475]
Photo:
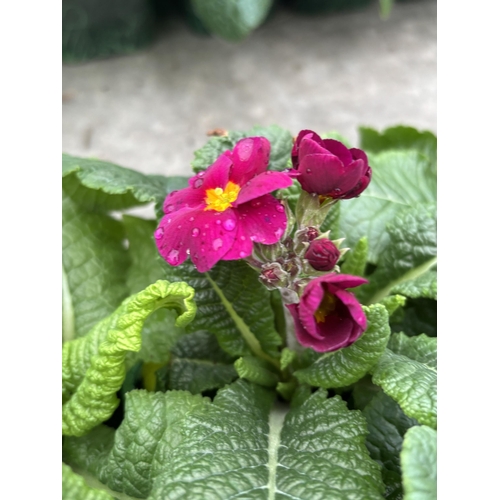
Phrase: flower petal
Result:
[321,173]
[311,147]
[301,333]
[250,158]
[216,175]
[339,150]
[353,307]
[340,280]
[309,304]
[295,148]
[337,329]
[212,235]
[263,184]
[173,235]
[263,219]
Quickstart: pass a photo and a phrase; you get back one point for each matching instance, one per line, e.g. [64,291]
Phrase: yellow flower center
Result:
[326,307]
[220,199]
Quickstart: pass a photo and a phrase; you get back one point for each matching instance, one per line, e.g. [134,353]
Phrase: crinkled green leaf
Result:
[198,364]
[159,333]
[393,302]
[291,194]
[233,305]
[281,146]
[401,179]
[74,487]
[410,253]
[420,348]
[419,464]
[399,137]
[424,286]
[256,370]
[94,365]
[356,259]
[363,391]
[95,264]
[387,425]
[418,316]
[345,366]
[101,186]
[232,20]
[179,446]
[128,460]
[322,453]
[412,384]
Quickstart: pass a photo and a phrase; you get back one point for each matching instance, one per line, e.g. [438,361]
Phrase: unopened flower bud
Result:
[272,275]
[312,233]
[322,254]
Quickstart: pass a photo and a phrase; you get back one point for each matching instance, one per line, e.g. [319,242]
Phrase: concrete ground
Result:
[151,110]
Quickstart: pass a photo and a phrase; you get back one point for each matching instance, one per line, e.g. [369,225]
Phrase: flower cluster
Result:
[228,212]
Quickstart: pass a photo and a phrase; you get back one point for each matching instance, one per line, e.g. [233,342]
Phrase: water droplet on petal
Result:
[256,203]
[191,219]
[279,207]
[242,238]
[308,170]
[169,221]
[169,208]
[242,254]
[278,233]
[159,233]
[217,244]
[229,224]
[207,226]
[195,232]
[285,223]
[173,257]
[218,222]
[268,172]
[337,190]
[179,226]
[188,251]
[253,238]
[198,183]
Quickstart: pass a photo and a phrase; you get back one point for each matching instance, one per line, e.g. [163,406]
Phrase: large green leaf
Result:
[411,383]
[424,286]
[399,137]
[102,186]
[387,425]
[232,19]
[233,305]
[178,446]
[355,260]
[159,333]
[198,364]
[94,365]
[401,179]
[421,348]
[419,464]
[345,366]
[410,253]
[74,487]
[95,264]
[281,146]
[257,371]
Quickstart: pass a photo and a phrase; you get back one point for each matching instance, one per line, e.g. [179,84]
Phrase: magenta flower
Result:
[224,209]
[322,254]
[328,168]
[328,317]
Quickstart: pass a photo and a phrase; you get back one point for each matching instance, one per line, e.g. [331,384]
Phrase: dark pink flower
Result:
[328,168]
[224,209]
[322,254]
[328,317]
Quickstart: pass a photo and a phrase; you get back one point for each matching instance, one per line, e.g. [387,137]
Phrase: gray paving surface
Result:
[149,111]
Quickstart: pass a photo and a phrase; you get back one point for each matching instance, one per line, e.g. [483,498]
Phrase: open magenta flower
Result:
[328,168]
[328,317]
[224,209]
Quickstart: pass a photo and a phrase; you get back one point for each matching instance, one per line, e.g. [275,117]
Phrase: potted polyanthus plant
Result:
[270,334]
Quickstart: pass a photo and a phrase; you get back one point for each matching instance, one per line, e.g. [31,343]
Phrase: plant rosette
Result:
[271,334]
